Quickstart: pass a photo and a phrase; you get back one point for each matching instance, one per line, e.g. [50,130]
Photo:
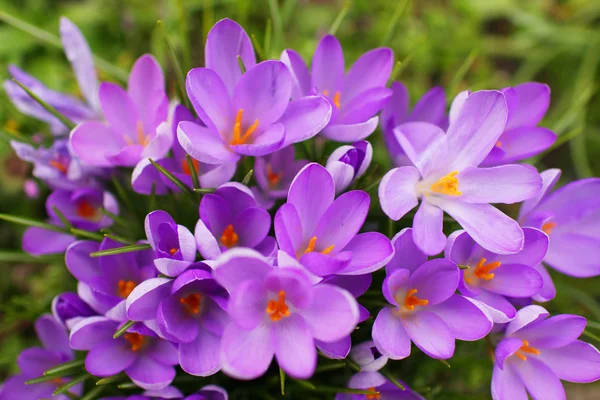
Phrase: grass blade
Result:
[121,250]
[94,393]
[31,222]
[18,257]
[282,381]
[193,171]
[184,188]
[460,74]
[340,18]
[73,382]
[277,26]
[176,66]
[65,367]
[185,40]
[64,120]
[123,329]
[398,12]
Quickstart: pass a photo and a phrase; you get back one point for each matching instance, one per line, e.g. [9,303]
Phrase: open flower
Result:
[33,362]
[209,392]
[348,163]
[190,311]
[355,97]
[249,114]
[277,312]
[539,351]
[446,179]
[68,308]
[145,358]
[490,277]
[132,117]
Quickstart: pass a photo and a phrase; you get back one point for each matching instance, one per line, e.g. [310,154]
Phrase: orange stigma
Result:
[483,270]
[186,167]
[374,396]
[499,144]
[238,137]
[62,168]
[125,288]
[85,210]
[411,301]
[311,247]
[173,250]
[548,227]
[142,138]
[135,339]
[277,309]
[272,177]
[229,238]
[526,348]
[336,97]
[192,302]
[447,185]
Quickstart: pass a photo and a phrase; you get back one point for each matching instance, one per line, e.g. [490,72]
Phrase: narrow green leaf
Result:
[591,336]
[340,18]
[208,17]
[184,188]
[277,26]
[71,396]
[392,379]
[282,381]
[460,74]
[268,38]
[176,66]
[287,10]
[116,219]
[64,120]
[330,367]
[184,33]
[205,190]
[87,234]
[19,256]
[258,48]
[45,378]
[593,324]
[445,363]
[241,64]
[398,12]
[93,393]
[128,385]
[461,266]
[247,178]
[62,217]
[111,379]
[192,168]
[120,250]
[31,222]
[73,382]
[13,135]
[117,238]
[123,329]
[69,365]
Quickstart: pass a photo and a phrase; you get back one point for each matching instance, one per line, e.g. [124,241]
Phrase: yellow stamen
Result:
[186,167]
[229,238]
[135,339]
[311,247]
[272,177]
[192,302]
[447,185]
[548,227]
[125,288]
[526,348]
[375,396]
[410,301]
[277,309]
[238,138]
[482,270]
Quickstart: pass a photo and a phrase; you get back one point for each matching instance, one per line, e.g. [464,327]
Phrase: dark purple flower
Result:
[230,218]
[209,392]
[33,362]
[249,114]
[355,97]
[539,351]
[348,163]
[145,358]
[446,178]
[69,309]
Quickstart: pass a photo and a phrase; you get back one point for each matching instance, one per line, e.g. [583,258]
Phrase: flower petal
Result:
[299,71]
[540,381]
[246,354]
[389,335]
[398,193]
[370,251]
[466,318]
[209,96]
[430,334]
[504,184]
[150,374]
[435,281]
[425,144]
[204,144]
[575,362]
[304,118]
[506,385]
[202,356]
[328,66]
[93,142]
[109,357]
[428,231]
[295,350]
[371,70]
[351,132]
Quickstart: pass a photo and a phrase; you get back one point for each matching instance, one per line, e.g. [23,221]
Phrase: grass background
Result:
[457,44]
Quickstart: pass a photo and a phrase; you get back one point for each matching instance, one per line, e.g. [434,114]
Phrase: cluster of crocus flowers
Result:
[280,270]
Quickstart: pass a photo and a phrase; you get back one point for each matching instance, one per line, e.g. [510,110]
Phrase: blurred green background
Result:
[458,44]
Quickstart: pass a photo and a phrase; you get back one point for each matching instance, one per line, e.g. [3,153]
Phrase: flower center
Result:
[192,302]
[499,144]
[311,247]
[336,97]
[229,238]
[125,288]
[272,177]
[548,227]
[141,137]
[61,167]
[173,251]
[135,339]
[483,269]
[447,185]
[277,309]
[411,301]
[238,136]
[85,210]
[186,167]
[374,396]
[526,348]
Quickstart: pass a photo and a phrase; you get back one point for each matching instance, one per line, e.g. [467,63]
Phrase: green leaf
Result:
[69,365]
[277,26]
[111,379]
[184,33]
[400,8]
[247,178]
[73,382]
[205,190]
[192,168]
[31,222]
[282,381]
[460,73]
[13,135]
[45,378]
[176,66]
[65,121]
[340,18]
[120,250]
[258,48]
[94,393]
[392,379]
[182,186]
[19,256]
[62,217]
[87,234]
[123,329]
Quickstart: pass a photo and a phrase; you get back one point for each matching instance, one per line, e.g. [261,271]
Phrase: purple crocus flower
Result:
[173,244]
[355,97]
[132,117]
[277,312]
[425,309]
[322,232]
[249,114]
[145,175]
[145,358]
[430,108]
[446,179]
[81,59]
[490,277]
[209,392]
[539,351]
[33,362]
[105,282]
[68,308]
[229,218]
[190,311]
[348,163]
[81,208]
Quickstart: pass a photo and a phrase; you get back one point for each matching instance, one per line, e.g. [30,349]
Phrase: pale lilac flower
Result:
[348,163]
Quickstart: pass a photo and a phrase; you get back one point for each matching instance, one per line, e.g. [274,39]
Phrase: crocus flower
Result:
[355,97]
[189,311]
[539,351]
[322,232]
[446,178]
[145,176]
[430,108]
[105,282]
[424,309]
[229,218]
[132,117]
[81,59]
[81,208]
[145,358]
[490,277]
[69,309]
[277,312]
[209,392]
[249,114]
[348,163]
[173,244]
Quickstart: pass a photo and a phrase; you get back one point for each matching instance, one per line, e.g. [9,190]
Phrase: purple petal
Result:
[540,381]
[304,118]
[324,264]
[425,144]
[364,106]
[53,335]
[152,223]
[514,280]
[390,336]
[202,356]
[293,282]
[506,385]
[175,322]
[328,66]
[145,178]
[248,303]
[549,178]
[337,350]
[497,306]
[532,101]
[576,362]
[398,193]
[554,332]
[146,88]
[143,301]
[93,142]
[300,75]
[118,109]
[209,96]
[150,374]
[436,280]
[370,251]
[38,241]
[431,107]
[239,265]
[204,144]
[88,332]
[428,229]
[246,354]
[526,316]
[406,253]
[266,142]
[295,349]
[34,361]
[548,291]
[351,132]
[371,70]
[521,143]
[574,254]
[430,334]
[110,357]
[465,318]
[505,184]
[534,249]
[394,113]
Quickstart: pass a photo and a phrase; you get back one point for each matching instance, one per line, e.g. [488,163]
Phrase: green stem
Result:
[123,329]
[120,250]
[64,120]
[73,382]
[65,367]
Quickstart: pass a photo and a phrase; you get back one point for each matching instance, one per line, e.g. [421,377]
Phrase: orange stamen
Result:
[192,302]
[62,168]
[186,167]
[173,250]
[85,210]
[482,270]
[526,348]
[125,288]
[272,177]
[229,238]
[238,138]
[336,97]
[277,309]
[142,138]
[498,144]
[447,185]
[311,247]
[135,339]
[411,301]
[548,227]
[375,396]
